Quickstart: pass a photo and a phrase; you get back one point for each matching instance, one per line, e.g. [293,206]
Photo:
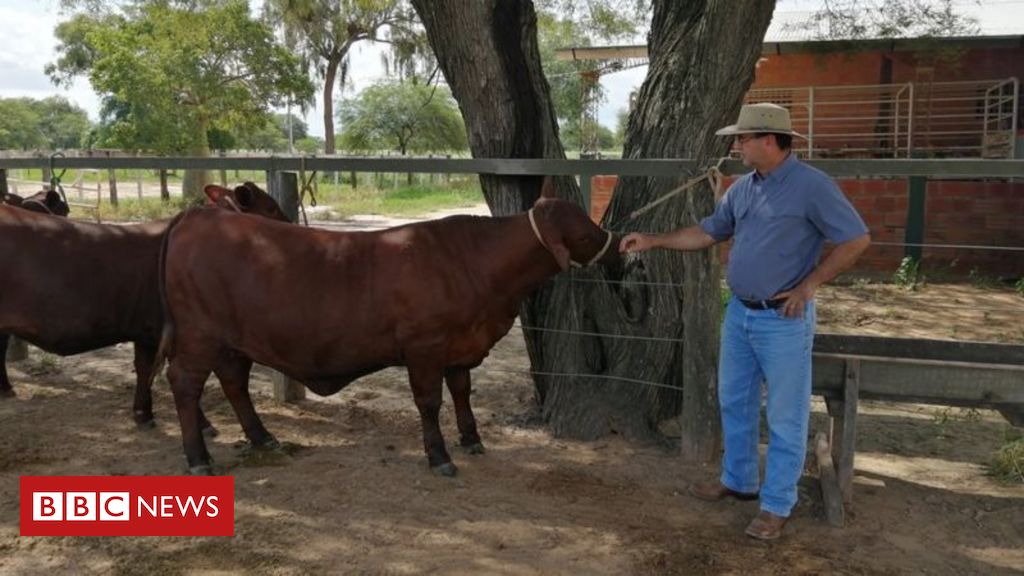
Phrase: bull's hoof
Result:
[145,424]
[210,432]
[268,453]
[202,470]
[475,448]
[6,393]
[269,445]
[447,469]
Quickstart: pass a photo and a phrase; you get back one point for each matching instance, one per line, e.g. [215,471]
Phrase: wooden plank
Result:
[665,167]
[928,382]
[947,350]
[830,494]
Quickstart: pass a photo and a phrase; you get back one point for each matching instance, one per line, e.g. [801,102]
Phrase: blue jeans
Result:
[763,345]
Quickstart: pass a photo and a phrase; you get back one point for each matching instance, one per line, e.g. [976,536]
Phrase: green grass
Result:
[134,209]
[1008,463]
[371,196]
[405,200]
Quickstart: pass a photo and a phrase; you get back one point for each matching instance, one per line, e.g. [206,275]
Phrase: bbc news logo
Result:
[127,506]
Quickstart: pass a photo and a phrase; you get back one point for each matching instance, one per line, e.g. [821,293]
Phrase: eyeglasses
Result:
[744,138]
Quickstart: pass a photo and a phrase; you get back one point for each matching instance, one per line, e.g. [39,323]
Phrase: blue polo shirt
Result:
[779,223]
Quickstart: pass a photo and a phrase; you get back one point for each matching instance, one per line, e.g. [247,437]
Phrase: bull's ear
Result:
[561,254]
[53,198]
[547,187]
[215,193]
[244,195]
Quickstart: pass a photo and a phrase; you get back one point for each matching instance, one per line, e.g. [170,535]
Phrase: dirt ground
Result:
[352,493]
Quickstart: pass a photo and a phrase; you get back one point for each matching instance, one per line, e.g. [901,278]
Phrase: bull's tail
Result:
[165,349]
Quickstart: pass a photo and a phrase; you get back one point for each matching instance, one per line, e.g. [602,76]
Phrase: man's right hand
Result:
[636,242]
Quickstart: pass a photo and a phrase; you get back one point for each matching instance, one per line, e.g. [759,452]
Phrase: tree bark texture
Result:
[702,57]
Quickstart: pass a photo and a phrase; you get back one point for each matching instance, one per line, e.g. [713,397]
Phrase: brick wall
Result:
[974,213]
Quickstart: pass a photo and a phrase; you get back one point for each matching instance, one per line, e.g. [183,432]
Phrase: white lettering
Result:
[143,503]
[189,503]
[167,506]
[212,503]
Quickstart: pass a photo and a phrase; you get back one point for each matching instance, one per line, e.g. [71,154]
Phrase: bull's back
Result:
[72,286]
[314,303]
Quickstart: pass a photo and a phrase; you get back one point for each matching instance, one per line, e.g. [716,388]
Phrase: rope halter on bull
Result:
[598,256]
[305,186]
[55,177]
[713,175]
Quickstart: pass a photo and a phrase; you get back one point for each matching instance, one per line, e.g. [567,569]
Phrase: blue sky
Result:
[27,46]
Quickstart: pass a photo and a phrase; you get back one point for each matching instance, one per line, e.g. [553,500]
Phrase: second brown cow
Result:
[327,307]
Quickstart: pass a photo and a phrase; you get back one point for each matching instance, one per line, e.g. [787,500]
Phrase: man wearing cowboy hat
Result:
[778,216]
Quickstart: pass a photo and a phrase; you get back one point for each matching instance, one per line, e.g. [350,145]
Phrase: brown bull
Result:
[72,287]
[326,307]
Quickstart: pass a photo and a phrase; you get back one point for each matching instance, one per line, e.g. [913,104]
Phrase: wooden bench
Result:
[947,373]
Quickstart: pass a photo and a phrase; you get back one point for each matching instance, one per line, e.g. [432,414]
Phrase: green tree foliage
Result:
[52,123]
[271,134]
[325,30]
[575,23]
[19,125]
[170,72]
[860,19]
[402,116]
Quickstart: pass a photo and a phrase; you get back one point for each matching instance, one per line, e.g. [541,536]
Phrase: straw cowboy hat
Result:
[761,117]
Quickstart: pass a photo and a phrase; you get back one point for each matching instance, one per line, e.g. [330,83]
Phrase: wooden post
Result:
[843,428]
[917,187]
[844,466]
[284,187]
[138,186]
[165,193]
[112,181]
[223,172]
[830,493]
[16,349]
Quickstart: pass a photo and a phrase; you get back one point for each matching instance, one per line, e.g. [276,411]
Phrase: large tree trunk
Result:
[702,62]
[330,77]
[194,181]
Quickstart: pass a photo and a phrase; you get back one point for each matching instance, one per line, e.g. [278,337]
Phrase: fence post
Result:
[138,186]
[585,178]
[112,180]
[284,187]
[16,349]
[165,194]
[223,172]
[916,188]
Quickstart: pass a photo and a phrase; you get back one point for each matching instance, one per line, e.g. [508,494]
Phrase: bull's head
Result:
[44,202]
[248,198]
[568,232]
